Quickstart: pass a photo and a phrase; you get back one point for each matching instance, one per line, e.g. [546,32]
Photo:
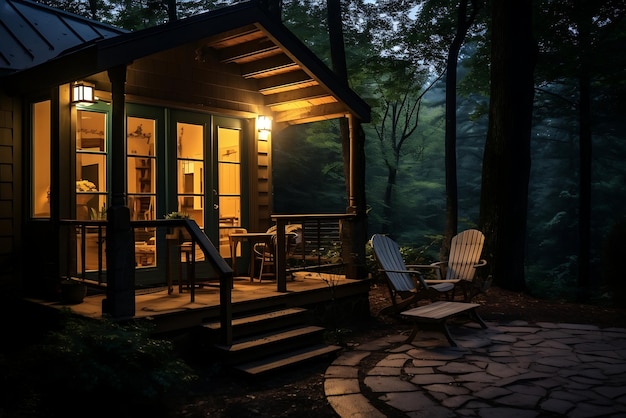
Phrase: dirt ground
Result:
[300,391]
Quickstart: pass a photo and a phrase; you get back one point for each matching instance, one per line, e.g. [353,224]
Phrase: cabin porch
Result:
[175,311]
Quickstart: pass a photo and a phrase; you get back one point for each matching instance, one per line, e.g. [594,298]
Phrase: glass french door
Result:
[141,171]
[208,173]
[92,174]
[228,190]
[190,170]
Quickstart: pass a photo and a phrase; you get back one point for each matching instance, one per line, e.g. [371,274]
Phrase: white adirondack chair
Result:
[406,285]
[465,257]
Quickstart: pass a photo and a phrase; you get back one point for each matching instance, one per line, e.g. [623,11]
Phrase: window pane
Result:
[229,175]
[40,198]
[141,185]
[90,131]
[190,171]
[190,141]
[91,165]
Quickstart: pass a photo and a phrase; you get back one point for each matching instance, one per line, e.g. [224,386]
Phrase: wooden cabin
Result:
[104,132]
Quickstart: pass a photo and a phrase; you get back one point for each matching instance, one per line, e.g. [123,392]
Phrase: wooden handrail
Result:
[198,237]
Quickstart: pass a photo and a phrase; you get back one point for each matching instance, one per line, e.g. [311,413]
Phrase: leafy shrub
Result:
[106,367]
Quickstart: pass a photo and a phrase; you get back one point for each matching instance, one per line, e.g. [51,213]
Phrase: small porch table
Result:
[252,238]
[438,313]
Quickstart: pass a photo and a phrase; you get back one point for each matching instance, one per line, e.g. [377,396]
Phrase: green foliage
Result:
[411,254]
[177,215]
[85,362]
[390,44]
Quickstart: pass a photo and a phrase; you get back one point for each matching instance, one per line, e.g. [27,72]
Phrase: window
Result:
[141,185]
[141,167]
[190,170]
[229,176]
[40,155]
[91,165]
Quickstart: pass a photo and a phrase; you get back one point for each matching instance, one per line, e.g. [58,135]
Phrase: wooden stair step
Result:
[272,338]
[259,318]
[286,359]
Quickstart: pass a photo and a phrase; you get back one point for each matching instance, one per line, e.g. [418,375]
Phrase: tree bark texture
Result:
[452,205]
[353,148]
[506,163]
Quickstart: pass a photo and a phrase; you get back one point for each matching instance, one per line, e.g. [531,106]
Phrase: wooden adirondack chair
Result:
[405,283]
[465,252]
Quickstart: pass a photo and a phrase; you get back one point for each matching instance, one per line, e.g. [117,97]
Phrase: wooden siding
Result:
[179,76]
[263,183]
[9,190]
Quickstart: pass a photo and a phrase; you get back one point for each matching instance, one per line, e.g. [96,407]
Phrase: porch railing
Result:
[76,237]
[323,243]
[324,246]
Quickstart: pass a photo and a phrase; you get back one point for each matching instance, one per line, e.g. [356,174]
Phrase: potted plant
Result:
[72,291]
[177,232]
[84,191]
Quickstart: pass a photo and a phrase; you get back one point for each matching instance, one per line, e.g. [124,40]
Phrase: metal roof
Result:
[33,33]
[295,83]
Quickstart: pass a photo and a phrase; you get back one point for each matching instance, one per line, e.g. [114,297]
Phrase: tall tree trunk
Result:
[338,60]
[275,7]
[353,148]
[392,173]
[506,163]
[452,206]
[585,150]
[171,10]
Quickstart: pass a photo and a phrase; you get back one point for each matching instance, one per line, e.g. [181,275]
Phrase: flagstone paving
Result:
[507,370]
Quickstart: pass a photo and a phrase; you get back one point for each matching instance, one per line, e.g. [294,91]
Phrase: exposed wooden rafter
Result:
[290,92]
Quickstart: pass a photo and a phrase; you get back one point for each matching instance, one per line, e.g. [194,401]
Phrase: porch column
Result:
[356,228]
[120,247]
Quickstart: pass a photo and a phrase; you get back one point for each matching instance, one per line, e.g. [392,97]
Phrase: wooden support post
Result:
[120,300]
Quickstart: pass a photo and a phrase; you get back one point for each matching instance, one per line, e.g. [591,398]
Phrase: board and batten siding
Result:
[9,191]
[207,85]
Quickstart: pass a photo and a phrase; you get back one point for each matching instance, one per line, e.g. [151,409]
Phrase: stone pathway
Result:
[513,370]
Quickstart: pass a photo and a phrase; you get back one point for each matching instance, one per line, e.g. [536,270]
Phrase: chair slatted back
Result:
[388,255]
[465,251]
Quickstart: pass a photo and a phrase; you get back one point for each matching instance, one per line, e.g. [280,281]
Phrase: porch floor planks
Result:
[150,304]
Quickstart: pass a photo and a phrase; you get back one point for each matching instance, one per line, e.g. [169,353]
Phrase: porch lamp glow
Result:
[82,93]
[264,124]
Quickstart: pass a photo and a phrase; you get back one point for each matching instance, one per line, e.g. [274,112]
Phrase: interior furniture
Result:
[252,238]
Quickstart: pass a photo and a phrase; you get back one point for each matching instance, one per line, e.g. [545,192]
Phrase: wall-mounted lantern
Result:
[264,124]
[82,93]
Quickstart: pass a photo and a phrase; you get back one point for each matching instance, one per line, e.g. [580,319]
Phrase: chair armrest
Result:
[481,263]
[413,273]
[437,267]
[422,266]
[436,281]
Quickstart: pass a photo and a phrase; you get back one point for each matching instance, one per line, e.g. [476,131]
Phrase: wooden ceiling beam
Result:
[234,36]
[285,82]
[268,66]
[311,114]
[303,94]
[249,51]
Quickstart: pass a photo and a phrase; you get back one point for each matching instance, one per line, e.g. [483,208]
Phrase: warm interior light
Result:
[264,124]
[82,93]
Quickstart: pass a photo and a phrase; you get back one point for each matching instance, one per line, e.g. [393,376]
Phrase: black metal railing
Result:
[323,244]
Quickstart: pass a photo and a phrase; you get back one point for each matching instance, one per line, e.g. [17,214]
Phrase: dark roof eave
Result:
[109,53]
[295,48]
